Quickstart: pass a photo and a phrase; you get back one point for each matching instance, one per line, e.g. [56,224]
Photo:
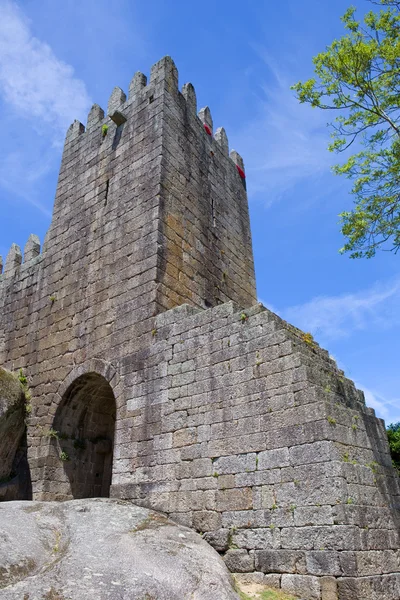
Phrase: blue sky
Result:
[57,58]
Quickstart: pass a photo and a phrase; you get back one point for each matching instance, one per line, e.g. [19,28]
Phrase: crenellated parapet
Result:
[163,73]
[225,416]
[13,260]
[32,248]
[16,263]
[155,136]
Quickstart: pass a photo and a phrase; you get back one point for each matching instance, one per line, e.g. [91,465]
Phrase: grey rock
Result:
[239,561]
[104,549]
[12,425]
[168,384]
[218,539]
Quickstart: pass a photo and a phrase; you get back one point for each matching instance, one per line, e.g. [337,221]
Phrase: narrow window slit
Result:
[213,212]
[106,194]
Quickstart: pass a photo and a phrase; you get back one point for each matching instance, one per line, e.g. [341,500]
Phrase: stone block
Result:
[218,539]
[329,589]
[280,561]
[184,437]
[206,520]
[235,464]
[256,539]
[325,562]
[271,459]
[239,561]
[303,586]
[232,499]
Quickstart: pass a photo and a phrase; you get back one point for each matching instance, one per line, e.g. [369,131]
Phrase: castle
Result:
[156,376]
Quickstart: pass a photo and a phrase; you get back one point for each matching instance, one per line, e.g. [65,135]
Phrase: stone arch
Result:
[82,434]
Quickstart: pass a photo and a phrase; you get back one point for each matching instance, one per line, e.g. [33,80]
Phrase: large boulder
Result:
[12,429]
[98,549]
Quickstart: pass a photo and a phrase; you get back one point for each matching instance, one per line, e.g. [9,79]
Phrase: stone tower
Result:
[155,375]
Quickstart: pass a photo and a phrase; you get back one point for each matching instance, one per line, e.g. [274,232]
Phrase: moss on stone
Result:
[11,389]
[15,573]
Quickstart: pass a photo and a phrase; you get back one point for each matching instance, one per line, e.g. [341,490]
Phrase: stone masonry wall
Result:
[226,417]
[118,251]
[241,427]
[207,255]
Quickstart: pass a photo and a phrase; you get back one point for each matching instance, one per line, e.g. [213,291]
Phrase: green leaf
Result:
[358,78]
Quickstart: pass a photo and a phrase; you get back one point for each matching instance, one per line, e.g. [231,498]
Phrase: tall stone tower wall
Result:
[135,231]
[155,376]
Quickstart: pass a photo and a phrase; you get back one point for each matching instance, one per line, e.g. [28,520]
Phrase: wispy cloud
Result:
[32,79]
[286,142]
[39,97]
[16,162]
[333,317]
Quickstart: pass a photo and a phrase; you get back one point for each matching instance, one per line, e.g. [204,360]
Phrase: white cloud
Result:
[334,317]
[33,80]
[33,168]
[286,142]
[43,90]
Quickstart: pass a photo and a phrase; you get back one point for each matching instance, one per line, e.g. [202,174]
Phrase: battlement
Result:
[15,259]
[154,374]
[152,165]
[163,73]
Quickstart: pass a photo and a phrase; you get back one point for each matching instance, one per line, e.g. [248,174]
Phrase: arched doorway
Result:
[83,431]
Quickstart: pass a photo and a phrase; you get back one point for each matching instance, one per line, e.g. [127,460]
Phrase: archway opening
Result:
[83,432]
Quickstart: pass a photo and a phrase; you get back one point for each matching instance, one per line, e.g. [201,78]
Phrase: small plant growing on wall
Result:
[104,130]
[52,433]
[24,383]
[64,456]
[22,378]
[243,317]
[308,339]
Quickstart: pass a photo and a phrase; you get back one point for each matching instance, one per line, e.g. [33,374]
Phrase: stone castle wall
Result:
[130,237]
[152,367]
[250,434]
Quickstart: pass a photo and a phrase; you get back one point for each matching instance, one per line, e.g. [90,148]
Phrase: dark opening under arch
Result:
[84,427]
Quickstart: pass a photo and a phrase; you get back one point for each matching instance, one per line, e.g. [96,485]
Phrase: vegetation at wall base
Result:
[393,432]
[268,594]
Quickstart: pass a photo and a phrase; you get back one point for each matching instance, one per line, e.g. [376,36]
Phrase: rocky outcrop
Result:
[12,431]
[98,549]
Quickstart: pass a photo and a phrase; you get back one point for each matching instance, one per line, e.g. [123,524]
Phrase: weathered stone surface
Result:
[219,539]
[303,586]
[104,549]
[12,421]
[157,377]
[239,561]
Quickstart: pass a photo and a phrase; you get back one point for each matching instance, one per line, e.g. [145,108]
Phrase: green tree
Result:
[393,432]
[358,76]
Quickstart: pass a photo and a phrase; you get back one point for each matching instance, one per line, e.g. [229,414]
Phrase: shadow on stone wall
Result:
[18,485]
[84,436]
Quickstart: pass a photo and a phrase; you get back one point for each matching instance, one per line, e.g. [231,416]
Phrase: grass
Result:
[268,594]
